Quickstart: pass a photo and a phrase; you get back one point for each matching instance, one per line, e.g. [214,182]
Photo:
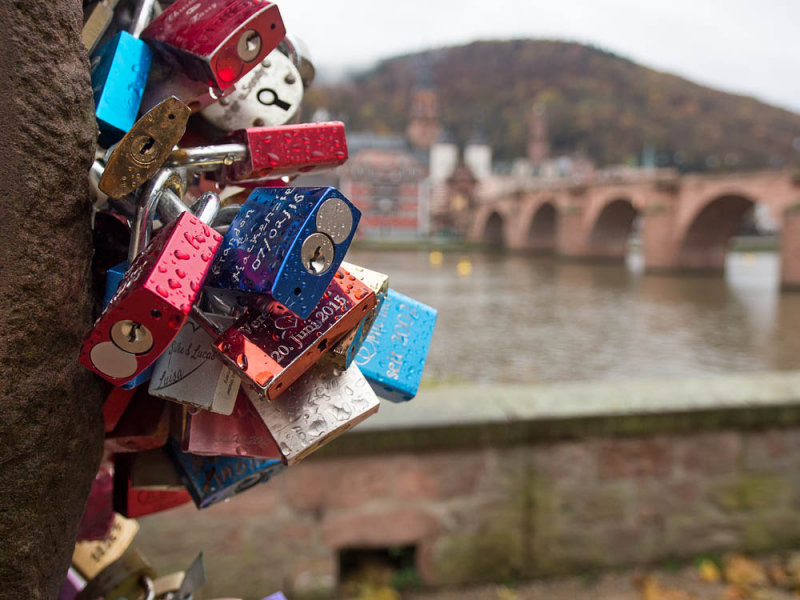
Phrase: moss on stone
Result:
[749,492]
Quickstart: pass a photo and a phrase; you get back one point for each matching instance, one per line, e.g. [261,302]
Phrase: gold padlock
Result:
[91,557]
[144,149]
[166,585]
[343,353]
[129,577]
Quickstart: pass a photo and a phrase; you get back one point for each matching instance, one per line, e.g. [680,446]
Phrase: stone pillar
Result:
[790,249]
[658,244]
[570,237]
[51,423]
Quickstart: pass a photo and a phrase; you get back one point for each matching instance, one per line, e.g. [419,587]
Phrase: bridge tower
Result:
[538,144]
[423,119]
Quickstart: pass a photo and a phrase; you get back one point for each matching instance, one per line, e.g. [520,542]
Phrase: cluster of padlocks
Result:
[234,337]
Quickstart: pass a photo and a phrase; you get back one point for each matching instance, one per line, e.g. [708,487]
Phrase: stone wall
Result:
[498,499]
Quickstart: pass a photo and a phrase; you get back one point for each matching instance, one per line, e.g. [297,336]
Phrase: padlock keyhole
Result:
[249,45]
[317,262]
[147,146]
[253,42]
[133,332]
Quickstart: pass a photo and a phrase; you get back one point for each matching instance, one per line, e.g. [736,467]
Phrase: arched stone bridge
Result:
[687,221]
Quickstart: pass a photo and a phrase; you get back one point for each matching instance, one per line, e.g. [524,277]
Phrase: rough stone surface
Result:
[50,414]
[643,457]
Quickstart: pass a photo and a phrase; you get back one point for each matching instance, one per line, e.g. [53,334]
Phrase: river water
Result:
[516,319]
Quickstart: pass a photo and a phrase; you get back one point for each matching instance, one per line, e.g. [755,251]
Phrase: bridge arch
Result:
[494,230]
[705,237]
[539,227]
[611,228]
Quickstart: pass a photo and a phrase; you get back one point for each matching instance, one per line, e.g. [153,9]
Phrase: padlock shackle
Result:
[225,217]
[207,158]
[145,212]
[150,589]
[170,206]
[142,15]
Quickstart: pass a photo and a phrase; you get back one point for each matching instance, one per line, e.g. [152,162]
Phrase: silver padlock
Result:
[296,49]
[190,373]
[324,403]
[270,95]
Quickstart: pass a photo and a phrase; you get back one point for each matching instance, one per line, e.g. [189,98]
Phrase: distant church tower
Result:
[538,146]
[423,119]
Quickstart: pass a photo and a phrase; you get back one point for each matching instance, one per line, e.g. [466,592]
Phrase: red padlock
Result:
[115,405]
[286,150]
[216,41]
[242,433]
[98,516]
[271,348]
[153,301]
[132,501]
[143,426]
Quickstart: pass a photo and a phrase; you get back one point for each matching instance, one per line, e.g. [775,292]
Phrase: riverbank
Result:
[468,485]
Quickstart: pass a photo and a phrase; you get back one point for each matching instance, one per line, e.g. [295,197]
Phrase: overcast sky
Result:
[745,46]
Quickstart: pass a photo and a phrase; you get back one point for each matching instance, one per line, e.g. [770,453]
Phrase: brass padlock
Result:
[124,579]
[144,148]
[344,352]
[91,557]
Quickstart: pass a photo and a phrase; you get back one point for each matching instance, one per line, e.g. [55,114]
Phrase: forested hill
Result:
[596,102]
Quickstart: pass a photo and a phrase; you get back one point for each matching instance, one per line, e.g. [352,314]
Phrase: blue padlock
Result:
[119,75]
[113,279]
[286,242]
[393,354]
[212,479]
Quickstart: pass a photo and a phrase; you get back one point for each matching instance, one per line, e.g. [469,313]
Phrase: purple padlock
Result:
[73,584]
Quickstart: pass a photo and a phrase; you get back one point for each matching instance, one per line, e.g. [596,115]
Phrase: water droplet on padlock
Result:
[194,285]
[163,291]
[174,284]
[339,274]
[206,256]
[181,255]
[225,347]
[241,361]
[200,239]
[206,230]
[360,293]
[180,273]
[192,241]
[162,268]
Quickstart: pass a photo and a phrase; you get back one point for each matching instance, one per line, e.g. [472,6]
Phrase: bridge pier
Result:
[658,239]
[790,249]
[570,240]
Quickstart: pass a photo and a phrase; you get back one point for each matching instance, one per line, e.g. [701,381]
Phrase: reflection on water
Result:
[523,319]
